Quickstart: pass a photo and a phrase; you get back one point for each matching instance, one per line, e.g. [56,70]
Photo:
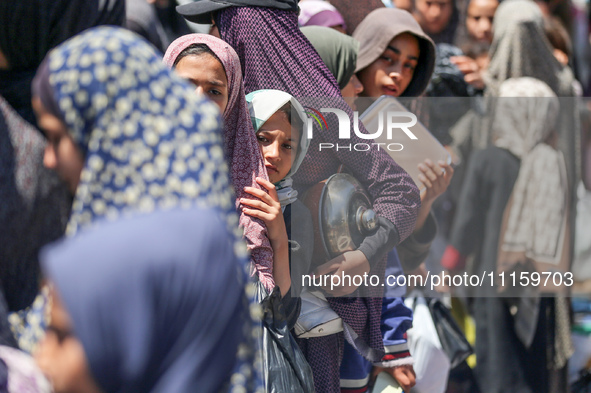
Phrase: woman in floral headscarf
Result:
[130,137]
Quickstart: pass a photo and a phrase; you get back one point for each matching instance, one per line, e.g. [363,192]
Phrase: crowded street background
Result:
[193,196]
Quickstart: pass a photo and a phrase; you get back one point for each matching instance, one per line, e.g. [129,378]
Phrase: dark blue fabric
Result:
[157,301]
[396,317]
[354,366]
[396,320]
[394,269]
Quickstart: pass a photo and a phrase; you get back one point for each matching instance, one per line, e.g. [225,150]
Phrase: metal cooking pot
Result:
[342,215]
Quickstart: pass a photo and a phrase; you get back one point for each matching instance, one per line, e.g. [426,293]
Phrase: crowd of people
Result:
[157,170]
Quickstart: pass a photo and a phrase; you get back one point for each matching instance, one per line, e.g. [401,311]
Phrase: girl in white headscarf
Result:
[278,120]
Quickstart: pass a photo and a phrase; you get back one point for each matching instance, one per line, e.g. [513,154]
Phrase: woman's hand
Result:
[349,264]
[469,67]
[266,207]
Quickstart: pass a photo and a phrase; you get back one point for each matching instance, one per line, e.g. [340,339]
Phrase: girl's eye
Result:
[287,146]
[387,58]
[261,138]
[215,92]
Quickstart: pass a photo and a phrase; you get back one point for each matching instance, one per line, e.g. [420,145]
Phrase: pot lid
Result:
[345,214]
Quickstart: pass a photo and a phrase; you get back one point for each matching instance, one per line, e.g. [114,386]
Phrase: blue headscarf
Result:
[157,300]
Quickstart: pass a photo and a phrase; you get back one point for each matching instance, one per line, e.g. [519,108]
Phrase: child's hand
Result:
[436,179]
[266,207]
[404,375]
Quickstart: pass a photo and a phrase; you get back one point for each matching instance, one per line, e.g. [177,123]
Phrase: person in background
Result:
[354,11]
[479,19]
[30,28]
[406,5]
[559,39]
[107,332]
[156,21]
[213,67]
[33,212]
[321,13]
[132,137]
[518,26]
[339,53]
[479,23]
[510,188]
[438,18]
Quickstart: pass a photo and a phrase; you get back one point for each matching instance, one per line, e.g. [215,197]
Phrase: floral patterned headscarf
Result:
[149,142]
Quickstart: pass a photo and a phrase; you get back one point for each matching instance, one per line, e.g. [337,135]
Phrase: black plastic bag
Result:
[285,368]
[583,384]
[453,341]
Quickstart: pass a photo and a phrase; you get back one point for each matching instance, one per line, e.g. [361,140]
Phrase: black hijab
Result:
[30,28]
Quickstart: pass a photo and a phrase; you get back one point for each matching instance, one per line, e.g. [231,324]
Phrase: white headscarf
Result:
[262,104]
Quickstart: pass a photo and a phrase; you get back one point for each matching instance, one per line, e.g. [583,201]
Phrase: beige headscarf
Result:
[520,48]
[534,228]
[535,234]
[376,31]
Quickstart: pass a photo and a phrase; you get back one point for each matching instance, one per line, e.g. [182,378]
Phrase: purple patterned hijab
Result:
[240,146]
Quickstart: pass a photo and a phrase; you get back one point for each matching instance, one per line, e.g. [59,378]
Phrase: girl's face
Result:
[61,152]
[208,76]
[393,71]
[433,15]
[479,19]
[352,91]
[278,142]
